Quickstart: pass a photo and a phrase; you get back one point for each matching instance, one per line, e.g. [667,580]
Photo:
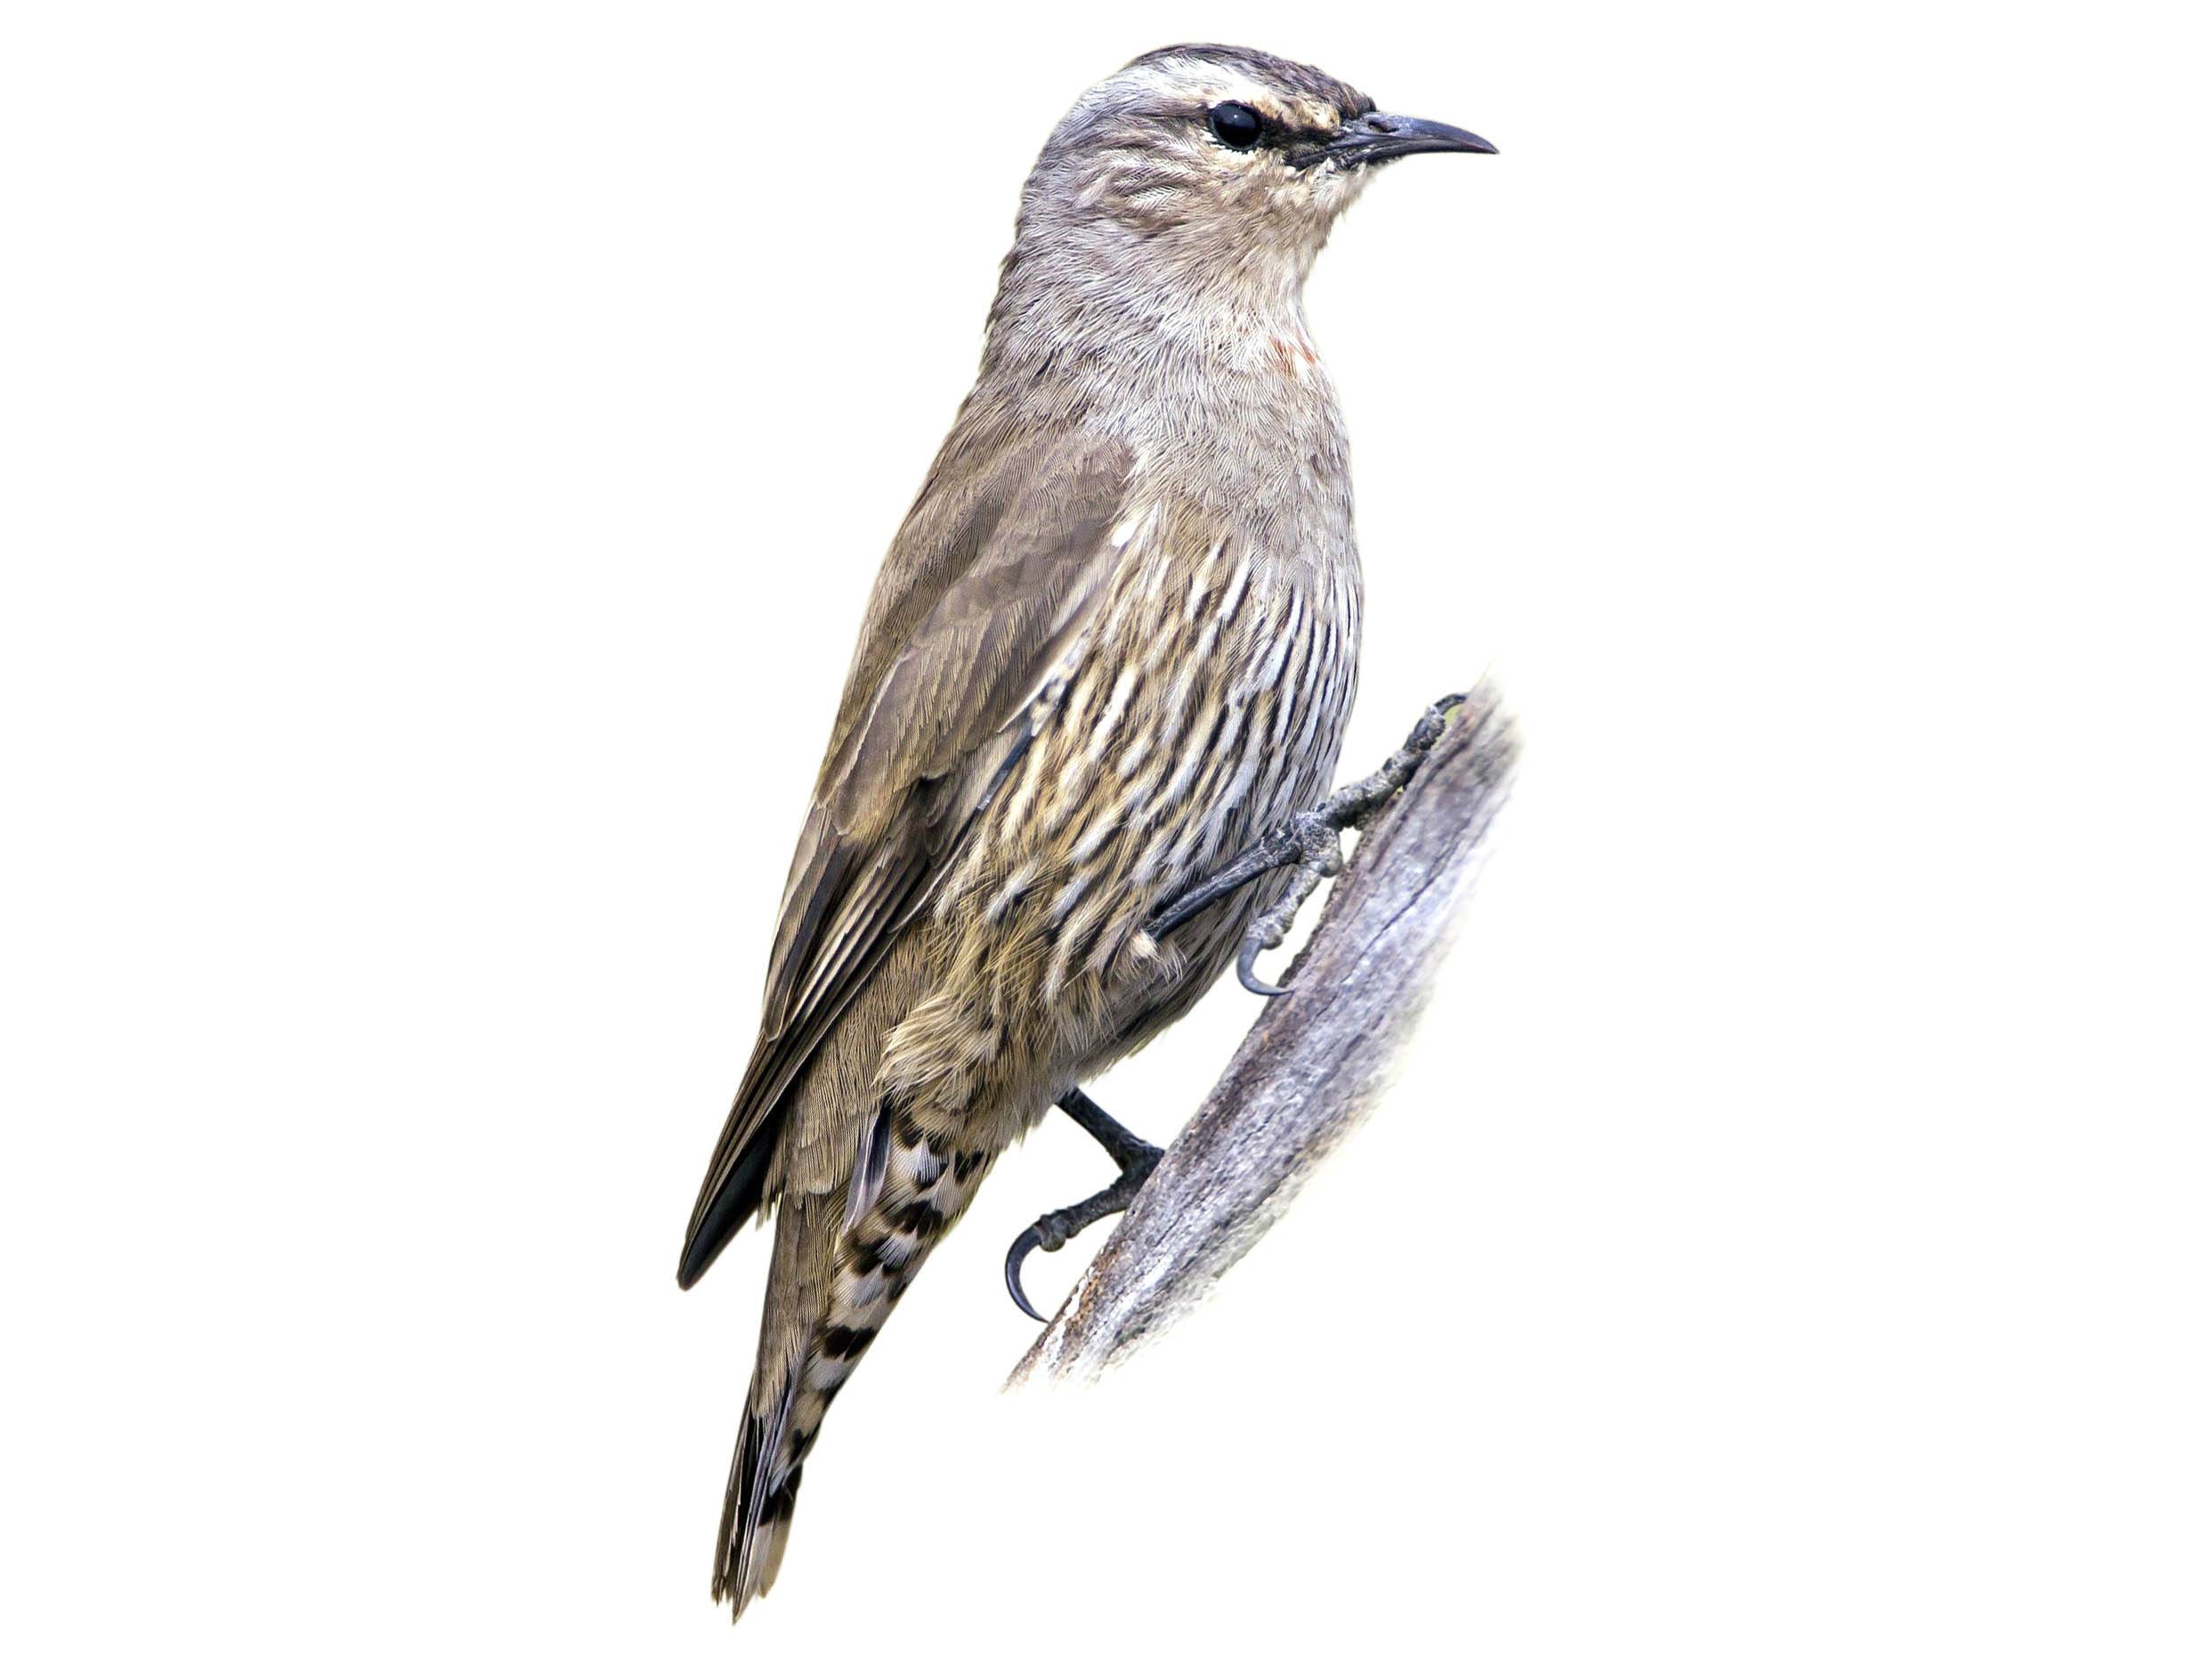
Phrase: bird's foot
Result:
[1309,841]
[1137,1158]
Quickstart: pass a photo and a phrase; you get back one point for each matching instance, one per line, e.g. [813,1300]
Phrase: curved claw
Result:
[1247,961]
[1017,1253]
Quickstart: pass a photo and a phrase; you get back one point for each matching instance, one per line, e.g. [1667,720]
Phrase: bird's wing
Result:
[989,585]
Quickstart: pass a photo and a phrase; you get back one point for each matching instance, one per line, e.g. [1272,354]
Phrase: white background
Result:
[445,450]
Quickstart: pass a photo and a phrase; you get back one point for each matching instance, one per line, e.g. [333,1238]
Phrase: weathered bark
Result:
[1312,1066]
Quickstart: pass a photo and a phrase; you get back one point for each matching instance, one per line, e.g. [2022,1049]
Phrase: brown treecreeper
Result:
[1112,648]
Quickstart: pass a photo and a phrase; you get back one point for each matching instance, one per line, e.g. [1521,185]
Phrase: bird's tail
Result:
[833,1283]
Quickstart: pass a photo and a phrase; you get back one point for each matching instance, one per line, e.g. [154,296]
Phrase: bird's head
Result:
[1203,158]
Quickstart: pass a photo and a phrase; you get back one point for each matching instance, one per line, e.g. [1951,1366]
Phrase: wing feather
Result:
[986,593]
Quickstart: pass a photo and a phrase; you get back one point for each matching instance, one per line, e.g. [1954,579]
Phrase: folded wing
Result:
[986,594]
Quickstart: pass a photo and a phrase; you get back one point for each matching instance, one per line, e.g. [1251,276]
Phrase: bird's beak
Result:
[1378,137]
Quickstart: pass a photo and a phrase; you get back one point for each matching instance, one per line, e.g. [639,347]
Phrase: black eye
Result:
[1235,124]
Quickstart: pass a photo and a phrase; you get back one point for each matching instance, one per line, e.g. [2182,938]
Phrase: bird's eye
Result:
[1235,124]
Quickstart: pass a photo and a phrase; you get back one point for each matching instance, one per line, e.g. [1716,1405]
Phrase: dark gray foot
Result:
[1309,841]
[1134,1154]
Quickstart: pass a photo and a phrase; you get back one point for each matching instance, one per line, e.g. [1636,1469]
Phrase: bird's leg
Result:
[1134,1154]
[1309,840]
[1124,1145]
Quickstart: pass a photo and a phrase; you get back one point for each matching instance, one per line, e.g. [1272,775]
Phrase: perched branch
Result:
[1312,1066]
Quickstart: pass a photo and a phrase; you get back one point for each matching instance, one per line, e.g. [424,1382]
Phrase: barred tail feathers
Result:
[830,1290]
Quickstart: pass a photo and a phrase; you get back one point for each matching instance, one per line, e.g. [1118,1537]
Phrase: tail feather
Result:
[832,1283]
[757,1505]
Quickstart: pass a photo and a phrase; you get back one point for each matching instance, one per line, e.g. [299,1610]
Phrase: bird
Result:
[1114,643]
